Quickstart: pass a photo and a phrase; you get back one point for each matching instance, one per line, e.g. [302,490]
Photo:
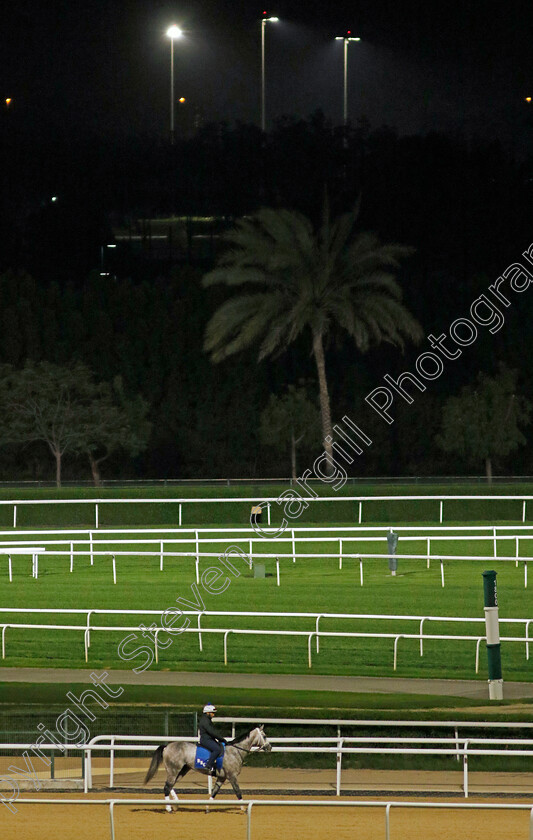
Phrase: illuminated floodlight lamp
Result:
[174,32]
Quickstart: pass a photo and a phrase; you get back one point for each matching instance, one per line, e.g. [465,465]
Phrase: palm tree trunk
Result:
[57,455]
[293,456]
[325,411]
[95,470]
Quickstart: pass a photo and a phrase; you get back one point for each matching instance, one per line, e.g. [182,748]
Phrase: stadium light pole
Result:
[346,38]
[173,33]
[264,21]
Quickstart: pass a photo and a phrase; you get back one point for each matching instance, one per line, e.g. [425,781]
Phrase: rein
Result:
[243,749]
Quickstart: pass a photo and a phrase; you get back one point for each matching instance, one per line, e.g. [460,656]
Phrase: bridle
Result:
[262,746]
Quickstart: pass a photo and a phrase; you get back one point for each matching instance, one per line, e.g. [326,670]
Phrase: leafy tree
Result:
[114,423]
[67,410]
[482,424]
[307,281]
[289,419]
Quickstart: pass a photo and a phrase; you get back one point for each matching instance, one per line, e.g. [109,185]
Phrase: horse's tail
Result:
[157,758]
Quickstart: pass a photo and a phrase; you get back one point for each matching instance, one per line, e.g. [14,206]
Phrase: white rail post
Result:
[179,515]
[396,640]
[441,510]
[442,572]
[112,765]
[293,547]
[161,556]
[527,637]
[478,645]
[525,574]
[226,634]
[4,628]
[91,547]
[361,570]
[457,756]
[250,553]
[360,512]
[340,552]
[249,821]
[340,743]
[10,568]
[524,511]
[111,819]
[465,769]
[197,565]
[114,569]
[86,772]
[309,661]
[428,552]
[96,515]
[14,516]
[387,821]
[277,570]
[71,557]
[495,543]
[200,633]
[517,550]
[422,636]
[197,547]
[268,513]
[317,636]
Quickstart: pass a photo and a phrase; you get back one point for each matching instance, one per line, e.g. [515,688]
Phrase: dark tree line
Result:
[206,420]
[464,205]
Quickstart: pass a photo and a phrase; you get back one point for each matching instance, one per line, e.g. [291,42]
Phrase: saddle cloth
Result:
[202,757]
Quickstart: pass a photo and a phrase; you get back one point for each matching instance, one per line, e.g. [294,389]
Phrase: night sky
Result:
[103,65]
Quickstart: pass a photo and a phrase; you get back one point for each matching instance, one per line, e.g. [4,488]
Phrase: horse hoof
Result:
[168,809]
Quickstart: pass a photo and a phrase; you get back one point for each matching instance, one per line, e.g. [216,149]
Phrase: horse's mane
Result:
[242,736]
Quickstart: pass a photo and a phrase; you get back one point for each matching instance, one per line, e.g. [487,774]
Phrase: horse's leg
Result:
[184,770]
[236,788]
[218,784]
[167,791]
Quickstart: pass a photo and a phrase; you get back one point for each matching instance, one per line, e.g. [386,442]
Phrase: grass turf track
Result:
[310,585]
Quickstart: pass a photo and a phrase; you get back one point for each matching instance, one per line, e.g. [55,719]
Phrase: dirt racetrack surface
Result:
[144,822]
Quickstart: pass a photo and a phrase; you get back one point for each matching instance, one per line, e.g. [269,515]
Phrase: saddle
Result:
[202,757]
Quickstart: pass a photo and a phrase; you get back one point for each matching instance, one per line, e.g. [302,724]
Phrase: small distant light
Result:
[528,99]
[8,102]
[182,99]
[54,198]
[349,32]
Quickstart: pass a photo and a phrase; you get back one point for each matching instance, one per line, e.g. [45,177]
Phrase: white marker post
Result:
[493,636]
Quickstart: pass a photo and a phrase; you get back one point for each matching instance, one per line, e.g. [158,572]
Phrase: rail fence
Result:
[269,501]
[316,634]
[456,747]
[199,539]
[249,804]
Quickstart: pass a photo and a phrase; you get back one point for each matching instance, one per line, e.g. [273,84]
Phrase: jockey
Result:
[210,737]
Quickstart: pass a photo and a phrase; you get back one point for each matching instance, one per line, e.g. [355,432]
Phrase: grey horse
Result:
[178,758]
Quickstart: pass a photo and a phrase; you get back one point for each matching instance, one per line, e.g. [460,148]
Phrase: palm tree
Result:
[307,280]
